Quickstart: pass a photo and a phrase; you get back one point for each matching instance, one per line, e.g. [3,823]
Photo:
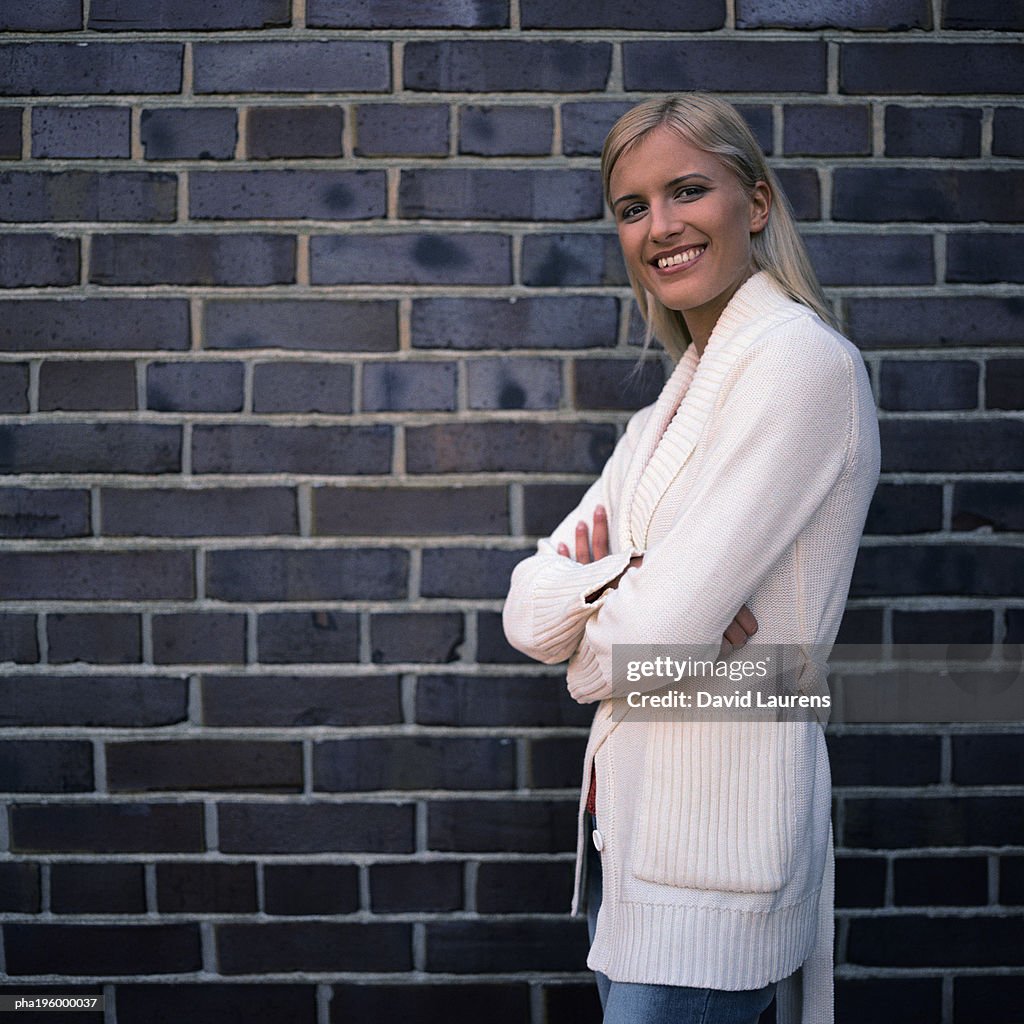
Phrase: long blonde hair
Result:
[715,126]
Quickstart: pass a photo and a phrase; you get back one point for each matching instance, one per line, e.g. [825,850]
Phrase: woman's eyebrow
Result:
[668,185]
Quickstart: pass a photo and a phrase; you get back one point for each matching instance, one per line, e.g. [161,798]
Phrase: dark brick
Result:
[478,947]
[414,762]
[563,322]
[47,325]
[1014,620]
[211,512]
[559,260]
[888,1000]
[301,701]
[320,66]
[981,14]
[910,69]
[10,133]
[585,125]
[509,447]
[932,131]
[956,445]
[190,887]
[194,387]
[317,637]
[936,941]
[287,195]
[208,15]
[942,627]
[198,637]
[725,65]
[538,887]
[42,16]
[14,387]
[18,638]
[324,324]
[885,760]
[97,576]
[578,1004]
[820,129]
[505,130]
[983,258]
[102,949]
[87,195]
[506,1003]
[502,826]
[801,187]
[987,759]
[84,386]
[107,828]
[491,645]
[413,511]
[467,572]
[81,132]
[37,260]
[36,512]
[506,66]
[316,828]
[860,881]
[19,888]
[294,131]
[996,505]
[192,259]
[1011,880]
[208,1003]
[489,700]
[71,69]
[302,387]
[856,14]
[1008,132]
[940,881]
[189,133]
[264,766]
[950,570]
[919,384]
[557,763]
[860,626]
[616,383]
[934,322]
[693,17]
[400,386]
[985,998]
[92,700]
[894,822]
[261,449]
[872,259]
[371,574]
[391,129]
[114,638]
[431,887]
[475,193]
[466,258]
[1003,383]
[304,889]
[514,384]
[97,888]
[416,636]
[905,508]
[313,946]
[46,766]
[399,14]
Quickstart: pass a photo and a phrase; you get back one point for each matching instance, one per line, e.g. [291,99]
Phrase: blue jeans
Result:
[631,1003]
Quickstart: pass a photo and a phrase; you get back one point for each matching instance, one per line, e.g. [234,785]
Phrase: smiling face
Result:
[685,225]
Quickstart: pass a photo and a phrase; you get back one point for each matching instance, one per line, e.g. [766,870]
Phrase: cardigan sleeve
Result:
[786,428]
[547,605]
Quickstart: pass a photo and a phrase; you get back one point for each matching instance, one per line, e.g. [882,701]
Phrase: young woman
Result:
[731,506]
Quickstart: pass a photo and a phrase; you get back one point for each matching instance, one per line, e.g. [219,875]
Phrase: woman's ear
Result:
[760,206]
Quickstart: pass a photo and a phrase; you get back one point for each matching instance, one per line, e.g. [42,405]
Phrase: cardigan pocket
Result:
[718,804]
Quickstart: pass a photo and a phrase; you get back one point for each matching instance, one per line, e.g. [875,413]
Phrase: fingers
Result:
[582,543]
[600,538]
[745,618]
[735,634]
[563,549]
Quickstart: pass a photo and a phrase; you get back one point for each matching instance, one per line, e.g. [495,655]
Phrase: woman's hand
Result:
[591,547]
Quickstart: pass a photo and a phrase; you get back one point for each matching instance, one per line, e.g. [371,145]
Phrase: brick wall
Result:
[312,321]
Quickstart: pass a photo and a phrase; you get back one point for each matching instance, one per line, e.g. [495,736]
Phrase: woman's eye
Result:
[690,192]
[632,211]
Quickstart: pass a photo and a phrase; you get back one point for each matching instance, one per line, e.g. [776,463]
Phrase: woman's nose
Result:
[665,221]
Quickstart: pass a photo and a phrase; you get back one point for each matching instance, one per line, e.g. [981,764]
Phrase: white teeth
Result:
[680,257]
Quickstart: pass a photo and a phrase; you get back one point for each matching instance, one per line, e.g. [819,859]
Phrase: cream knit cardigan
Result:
[748,480]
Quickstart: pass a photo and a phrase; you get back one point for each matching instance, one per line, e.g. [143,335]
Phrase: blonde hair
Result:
[715,126]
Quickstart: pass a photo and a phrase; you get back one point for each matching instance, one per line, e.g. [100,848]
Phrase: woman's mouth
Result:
[673,262]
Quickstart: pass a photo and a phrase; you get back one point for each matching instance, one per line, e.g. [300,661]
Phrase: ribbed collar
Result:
[681,410]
